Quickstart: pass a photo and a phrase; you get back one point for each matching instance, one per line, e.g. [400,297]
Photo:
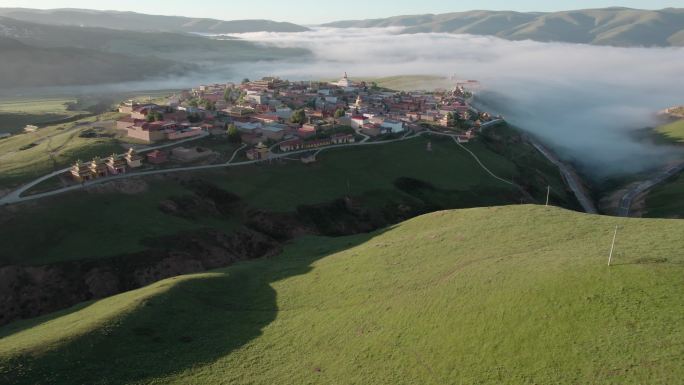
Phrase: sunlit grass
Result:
[511,295]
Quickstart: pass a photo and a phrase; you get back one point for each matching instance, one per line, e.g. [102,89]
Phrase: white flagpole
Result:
[548,193]
[612,247]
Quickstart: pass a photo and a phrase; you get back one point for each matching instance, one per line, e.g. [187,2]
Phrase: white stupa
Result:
[345,82]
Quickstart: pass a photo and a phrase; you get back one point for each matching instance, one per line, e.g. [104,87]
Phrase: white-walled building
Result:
[393,126]
[358,121]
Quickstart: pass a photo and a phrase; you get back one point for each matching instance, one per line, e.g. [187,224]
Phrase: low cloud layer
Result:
[584,100]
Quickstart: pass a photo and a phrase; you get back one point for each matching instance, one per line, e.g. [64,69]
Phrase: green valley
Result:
[395,175]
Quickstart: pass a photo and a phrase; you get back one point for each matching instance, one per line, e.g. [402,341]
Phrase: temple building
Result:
[259,152]
[99,167]
[345,83]
[116,165]
[82,172]
[132,159]
[359,105]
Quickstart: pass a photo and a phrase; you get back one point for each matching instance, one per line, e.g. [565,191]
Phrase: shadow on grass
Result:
[194,323]
[647,261]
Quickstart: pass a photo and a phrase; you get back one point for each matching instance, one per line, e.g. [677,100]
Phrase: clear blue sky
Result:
[318,11]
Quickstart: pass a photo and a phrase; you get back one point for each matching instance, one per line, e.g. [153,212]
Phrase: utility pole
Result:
[548,193]
[612,247]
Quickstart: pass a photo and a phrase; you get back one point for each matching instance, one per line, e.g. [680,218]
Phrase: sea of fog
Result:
[583,100]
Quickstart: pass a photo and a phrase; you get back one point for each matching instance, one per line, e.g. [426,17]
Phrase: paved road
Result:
[640,188]
[232,158]
[482,165]
[15,196]
[571,178]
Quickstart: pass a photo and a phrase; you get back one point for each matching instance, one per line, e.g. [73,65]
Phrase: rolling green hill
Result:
[609,26]
[673,131]
[508,295]
[132,21]
[29,66]
[169,46]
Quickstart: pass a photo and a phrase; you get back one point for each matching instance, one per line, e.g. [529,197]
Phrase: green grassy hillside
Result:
[508,295]
[59,228]
[409,82]
[29,66]
[608,26]
[665,200]
[28,156]
[673,131]
[16,113]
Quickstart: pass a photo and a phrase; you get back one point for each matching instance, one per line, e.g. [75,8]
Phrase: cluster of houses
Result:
[263,111]
[272,113]
[153,123]
[114,165]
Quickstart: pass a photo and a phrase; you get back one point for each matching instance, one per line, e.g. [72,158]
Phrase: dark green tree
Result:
[155,116]
[298,116]
[233,133]
[451,119]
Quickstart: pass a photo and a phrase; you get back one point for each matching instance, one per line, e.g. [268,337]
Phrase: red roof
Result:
[212,97]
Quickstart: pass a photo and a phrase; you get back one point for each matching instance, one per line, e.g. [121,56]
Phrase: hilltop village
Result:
[272,115]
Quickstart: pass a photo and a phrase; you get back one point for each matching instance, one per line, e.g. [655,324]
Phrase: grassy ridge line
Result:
[505,295]
[409,82]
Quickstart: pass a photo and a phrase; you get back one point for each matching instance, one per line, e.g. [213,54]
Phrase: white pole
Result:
[612,247]
[548,193]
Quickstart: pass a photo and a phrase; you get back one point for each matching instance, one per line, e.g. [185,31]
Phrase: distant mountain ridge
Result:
[166,45]
[607,26]
[26,66]
[36,54]
[132,21]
